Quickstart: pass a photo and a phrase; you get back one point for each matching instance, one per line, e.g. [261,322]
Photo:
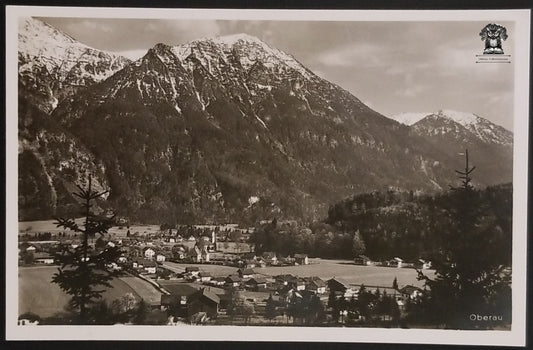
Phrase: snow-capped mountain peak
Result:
[458,123]
[53,47]
[463,118]
[248,50]
[52,64]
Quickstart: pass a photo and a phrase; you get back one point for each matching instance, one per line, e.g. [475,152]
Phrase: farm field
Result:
[145,290]
[117,231]
[41,226]
[325,269]
[49,226]
[39,295]
[346,270]
[215,270]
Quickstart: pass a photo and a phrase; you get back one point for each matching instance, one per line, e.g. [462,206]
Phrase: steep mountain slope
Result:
[52,67]
[194,131]
[51,162]
[212,130]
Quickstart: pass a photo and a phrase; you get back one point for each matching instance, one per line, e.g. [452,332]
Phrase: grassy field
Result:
[41,226]
[39,295]
[325,269]
[49,226]
[346,270]
[215,270]
[145,290]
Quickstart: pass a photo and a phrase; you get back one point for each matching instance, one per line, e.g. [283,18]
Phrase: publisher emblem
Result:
[493,34]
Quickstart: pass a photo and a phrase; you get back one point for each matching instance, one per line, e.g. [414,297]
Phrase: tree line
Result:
[383,225]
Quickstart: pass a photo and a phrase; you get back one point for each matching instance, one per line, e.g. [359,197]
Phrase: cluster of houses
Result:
[395,262]
[247,279]
[40,251]
[200,291]
[252,260]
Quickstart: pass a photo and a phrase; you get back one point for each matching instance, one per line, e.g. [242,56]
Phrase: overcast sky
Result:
[393,67]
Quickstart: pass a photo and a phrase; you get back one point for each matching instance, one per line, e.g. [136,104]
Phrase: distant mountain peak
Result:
[463,118]
[451,121]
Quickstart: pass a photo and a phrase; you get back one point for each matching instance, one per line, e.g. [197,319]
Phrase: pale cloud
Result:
[357,54]
[410,91]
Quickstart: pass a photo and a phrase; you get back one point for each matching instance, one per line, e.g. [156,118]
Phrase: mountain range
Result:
[219,129]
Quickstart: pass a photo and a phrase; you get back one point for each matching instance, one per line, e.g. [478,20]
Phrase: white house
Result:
[150,267]
[204,276]
[411,292]
[199,254]
[270,258]
[425,264]
[28,319]
[316,285]
[300,285]
[192,270]
[301,259]
[397,262]
[160,258]
[149,253]
[43,258]
[245,273]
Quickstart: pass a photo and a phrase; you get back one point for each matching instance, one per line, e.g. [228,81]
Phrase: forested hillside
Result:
[390,224]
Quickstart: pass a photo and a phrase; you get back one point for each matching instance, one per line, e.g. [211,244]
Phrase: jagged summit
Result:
[246,49]
[35,33]
[448,120]
[456,122]
[462,118]
[39,39]
[53,65]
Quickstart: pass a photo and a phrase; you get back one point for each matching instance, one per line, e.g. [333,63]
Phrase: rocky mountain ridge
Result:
[193,132]
[53,65]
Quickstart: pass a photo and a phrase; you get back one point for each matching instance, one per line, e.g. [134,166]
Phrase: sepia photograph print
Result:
[267,175]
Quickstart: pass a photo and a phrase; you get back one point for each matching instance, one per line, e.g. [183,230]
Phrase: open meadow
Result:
[348,271]
[39,295]
[49,226]
[325,269]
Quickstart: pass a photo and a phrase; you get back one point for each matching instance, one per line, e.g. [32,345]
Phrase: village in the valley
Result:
[206,274]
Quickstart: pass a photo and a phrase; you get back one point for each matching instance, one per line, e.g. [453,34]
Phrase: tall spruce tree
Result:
[84,270]
[469,278]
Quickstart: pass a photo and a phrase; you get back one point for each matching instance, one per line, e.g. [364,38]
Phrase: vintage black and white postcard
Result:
[267,175]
